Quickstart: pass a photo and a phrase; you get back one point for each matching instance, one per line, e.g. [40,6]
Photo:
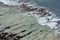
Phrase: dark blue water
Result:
[53,5]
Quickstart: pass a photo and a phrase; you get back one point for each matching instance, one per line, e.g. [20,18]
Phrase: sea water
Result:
[52,5]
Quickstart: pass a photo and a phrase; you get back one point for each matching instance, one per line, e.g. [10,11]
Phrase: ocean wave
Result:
[15,2]
[43,16]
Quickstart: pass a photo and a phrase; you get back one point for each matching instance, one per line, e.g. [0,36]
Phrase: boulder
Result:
[28,7]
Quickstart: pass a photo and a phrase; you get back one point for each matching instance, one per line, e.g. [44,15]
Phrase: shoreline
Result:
[43,16]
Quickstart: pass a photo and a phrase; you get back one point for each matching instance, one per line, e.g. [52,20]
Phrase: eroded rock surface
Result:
[15,26]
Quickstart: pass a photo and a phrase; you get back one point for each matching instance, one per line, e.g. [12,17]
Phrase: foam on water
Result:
[8,2]
[15,2]
[44,21]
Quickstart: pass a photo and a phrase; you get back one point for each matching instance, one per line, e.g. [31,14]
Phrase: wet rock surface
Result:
[33,8]
[15,26]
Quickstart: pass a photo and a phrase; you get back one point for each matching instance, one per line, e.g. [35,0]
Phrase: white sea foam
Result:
[44,21]
[52,24]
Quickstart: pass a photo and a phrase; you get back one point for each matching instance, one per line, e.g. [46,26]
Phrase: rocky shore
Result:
[44,16]
[26,27]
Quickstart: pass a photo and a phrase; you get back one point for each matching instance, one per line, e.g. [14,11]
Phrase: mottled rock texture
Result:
[23,27]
